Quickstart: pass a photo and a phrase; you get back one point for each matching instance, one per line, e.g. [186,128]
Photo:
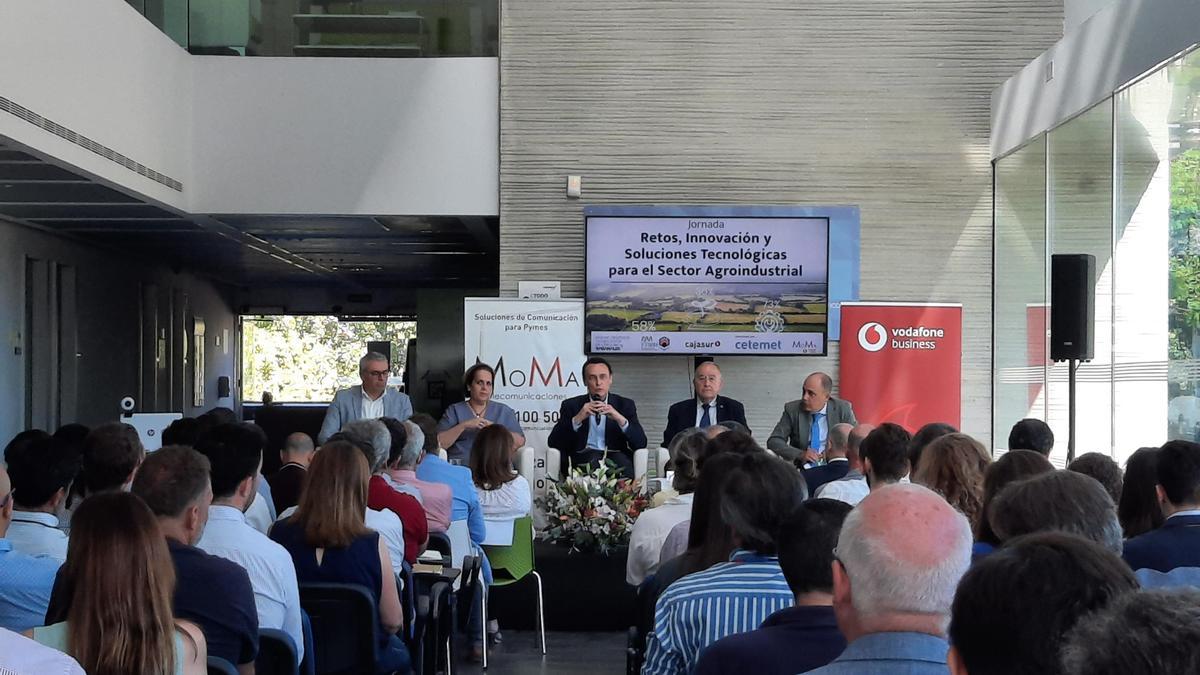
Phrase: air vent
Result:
[88,144]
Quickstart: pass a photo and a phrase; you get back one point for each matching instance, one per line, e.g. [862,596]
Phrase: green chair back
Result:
[512,563]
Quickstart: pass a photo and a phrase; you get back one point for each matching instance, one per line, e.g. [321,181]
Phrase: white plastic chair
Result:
[526,461]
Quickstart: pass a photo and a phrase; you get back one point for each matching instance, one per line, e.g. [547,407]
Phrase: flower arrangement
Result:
[593,509]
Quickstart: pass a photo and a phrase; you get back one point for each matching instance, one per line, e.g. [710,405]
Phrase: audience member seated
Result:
[884,455]
[41,470]
[434,469]
[1059,501]
[836,465]
[953,466]
[899,557]
[71,436]
[733,442]
[1013,608]
[1141,633]
[651,528]
[461,421]
[25,581]
[1011,467]
[287,483]
[735,596]
[183,431]
[374,440]
[20,655]
[1101,467]
[329,542]
[1176,543]
[213,592]
[1138,508]
[805,636]
[924,436]
[1031,434]
[234,452]
[690,441]
[121,620]
[112,453]
[852,487]
[405,453]
[504,494]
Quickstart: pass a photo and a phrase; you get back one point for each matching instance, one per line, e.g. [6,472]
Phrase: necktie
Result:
[705,420]
[814,434]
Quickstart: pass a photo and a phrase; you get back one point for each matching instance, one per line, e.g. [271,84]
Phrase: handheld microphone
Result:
[596,397]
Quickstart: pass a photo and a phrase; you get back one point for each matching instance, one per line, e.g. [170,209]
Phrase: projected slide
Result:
[707,285]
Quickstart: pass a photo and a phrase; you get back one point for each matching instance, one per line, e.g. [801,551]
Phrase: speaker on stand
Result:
[1072,321]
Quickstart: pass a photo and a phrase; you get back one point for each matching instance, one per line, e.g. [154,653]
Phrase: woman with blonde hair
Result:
[954,466]
[329,542]
[120,619]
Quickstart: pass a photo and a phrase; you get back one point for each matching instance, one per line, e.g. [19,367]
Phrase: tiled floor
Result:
[566,653]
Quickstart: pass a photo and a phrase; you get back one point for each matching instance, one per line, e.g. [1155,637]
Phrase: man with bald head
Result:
[25,581]
[851,488]
[706,408]
[802,434]
[288,481]
[836,464]
[899,558]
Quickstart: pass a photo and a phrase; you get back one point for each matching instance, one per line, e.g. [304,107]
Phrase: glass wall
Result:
[367,28]
[1018,388]
[1120,181]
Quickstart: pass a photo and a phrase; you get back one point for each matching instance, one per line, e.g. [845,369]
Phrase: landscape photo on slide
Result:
[761,308]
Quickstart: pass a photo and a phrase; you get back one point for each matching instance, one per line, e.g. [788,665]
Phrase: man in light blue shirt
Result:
[699,609]
[41,471]
[235,453]
[465,505]
[25,581]
[899,558]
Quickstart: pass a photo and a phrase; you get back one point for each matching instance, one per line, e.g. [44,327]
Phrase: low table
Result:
[581,591]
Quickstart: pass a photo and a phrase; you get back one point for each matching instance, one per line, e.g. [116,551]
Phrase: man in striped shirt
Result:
[732,597]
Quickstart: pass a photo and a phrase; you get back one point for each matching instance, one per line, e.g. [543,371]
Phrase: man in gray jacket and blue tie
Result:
[371,400]
[802,433]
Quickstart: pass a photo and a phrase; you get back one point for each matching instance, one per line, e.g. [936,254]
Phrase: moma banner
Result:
[902,362]
[536,348]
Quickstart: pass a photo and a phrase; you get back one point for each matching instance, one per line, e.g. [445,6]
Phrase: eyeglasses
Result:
[378,373]
[4,502]
[707,378]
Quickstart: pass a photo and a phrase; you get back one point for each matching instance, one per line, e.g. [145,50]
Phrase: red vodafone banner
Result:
[902,362]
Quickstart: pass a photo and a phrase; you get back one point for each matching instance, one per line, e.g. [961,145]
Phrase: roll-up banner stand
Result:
[902,362]
[536,347]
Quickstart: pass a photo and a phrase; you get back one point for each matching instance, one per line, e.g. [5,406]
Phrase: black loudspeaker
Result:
[1072,306]
[223,386]
[382,347]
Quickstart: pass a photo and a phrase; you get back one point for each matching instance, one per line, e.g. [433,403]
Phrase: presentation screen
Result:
[707,285]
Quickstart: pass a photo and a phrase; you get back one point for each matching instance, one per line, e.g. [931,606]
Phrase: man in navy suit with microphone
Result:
[598,425]
[707,408]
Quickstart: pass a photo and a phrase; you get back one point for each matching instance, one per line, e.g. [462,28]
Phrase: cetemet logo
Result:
[664,342]
[872,336]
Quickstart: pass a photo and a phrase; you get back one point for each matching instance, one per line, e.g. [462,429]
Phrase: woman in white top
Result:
[503,493]
[653,525]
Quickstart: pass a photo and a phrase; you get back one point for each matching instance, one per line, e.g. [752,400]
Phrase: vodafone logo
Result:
[872,336]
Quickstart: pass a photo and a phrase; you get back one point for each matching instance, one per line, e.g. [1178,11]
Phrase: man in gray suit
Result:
[371,400]
[803,431]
